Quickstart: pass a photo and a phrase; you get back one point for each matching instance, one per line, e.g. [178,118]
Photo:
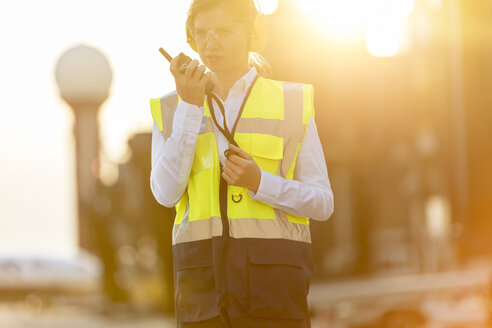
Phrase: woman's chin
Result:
[213,65]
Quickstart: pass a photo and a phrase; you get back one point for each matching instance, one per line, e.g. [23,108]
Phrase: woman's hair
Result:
[242,9]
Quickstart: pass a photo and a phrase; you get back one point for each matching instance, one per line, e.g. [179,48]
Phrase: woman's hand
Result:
[191,83]
[240,169]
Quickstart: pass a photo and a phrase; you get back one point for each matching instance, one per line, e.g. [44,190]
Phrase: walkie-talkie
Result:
[184,61]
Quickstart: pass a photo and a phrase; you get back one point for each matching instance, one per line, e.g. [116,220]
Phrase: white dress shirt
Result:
[309,194]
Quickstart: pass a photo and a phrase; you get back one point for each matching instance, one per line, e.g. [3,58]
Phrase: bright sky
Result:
[37,181]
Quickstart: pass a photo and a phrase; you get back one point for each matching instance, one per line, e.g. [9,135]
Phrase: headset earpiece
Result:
[190,40]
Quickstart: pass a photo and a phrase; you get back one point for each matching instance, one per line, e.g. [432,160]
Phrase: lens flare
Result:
[380,20]
[267,7]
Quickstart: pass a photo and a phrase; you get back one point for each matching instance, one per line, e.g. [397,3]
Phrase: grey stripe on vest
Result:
[260,125]
[207,125]
[269,229]
[169,102]
[281,228]
[293,129]
[275,127]
[188,231]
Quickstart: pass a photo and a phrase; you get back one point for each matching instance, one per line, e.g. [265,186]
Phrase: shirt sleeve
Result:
[172,159]
[309,194]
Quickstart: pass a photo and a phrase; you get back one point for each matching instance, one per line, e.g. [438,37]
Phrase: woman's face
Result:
[221,40]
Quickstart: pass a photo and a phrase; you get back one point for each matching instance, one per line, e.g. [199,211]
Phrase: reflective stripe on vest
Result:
[272,127]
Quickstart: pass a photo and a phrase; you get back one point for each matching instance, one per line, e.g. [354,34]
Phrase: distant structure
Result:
[122,224]
[84,77]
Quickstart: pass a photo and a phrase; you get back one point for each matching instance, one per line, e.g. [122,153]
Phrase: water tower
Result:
[84,78]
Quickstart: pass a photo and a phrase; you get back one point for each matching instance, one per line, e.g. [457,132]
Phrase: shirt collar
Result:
[245,81]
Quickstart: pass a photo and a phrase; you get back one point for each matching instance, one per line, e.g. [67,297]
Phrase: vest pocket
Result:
[195,292]
[278,284]
[267,150]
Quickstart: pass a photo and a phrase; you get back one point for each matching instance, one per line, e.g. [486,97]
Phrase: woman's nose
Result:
[211,40]
[211,34]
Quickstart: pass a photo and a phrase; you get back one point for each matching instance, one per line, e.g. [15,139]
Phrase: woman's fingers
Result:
[230,171]
[188,77]
[174,66]
[190,69]
[227,177]
[238,160]
[230,164]
[239,151]
[199,72]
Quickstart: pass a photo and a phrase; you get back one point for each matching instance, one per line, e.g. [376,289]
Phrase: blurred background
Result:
[403,97]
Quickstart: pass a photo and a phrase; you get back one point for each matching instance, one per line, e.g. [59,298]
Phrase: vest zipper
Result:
[225,249]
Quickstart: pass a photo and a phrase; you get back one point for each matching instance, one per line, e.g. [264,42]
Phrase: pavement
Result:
[18,315]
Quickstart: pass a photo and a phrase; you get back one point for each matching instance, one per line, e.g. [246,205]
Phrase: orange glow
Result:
[341,18]
[379,20]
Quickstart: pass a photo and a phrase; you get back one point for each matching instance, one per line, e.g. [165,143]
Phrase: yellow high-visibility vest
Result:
[271,128]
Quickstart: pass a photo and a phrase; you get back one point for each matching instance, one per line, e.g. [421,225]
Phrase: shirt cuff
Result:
[188,117]
[268,190]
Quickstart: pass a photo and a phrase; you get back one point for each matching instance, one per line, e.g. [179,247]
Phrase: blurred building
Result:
[131,233]
[476,36]
[406,137]
[120,223]
[145,231]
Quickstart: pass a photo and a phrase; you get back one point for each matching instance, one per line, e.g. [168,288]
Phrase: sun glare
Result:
[341,19]
[379,20]
[267,7]
[382,38]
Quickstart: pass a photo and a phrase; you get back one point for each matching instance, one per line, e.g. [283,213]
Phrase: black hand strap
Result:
[225,131]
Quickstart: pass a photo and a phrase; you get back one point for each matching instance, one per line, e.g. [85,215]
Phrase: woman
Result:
[244,185]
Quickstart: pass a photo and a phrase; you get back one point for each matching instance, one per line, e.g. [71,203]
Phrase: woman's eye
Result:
[225,32]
